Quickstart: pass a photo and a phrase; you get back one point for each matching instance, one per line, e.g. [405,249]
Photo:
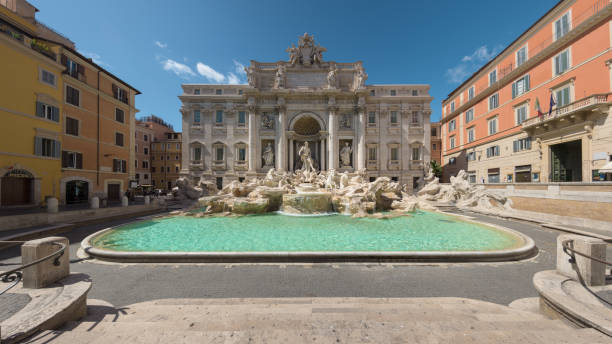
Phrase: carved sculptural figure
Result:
[345,121]
[279,79]
[345,155]
[330,182]
[268,155]
[250,72]
[331,78]
[267,122]
[294,54]
[305,156]
[360,77]
[344,180]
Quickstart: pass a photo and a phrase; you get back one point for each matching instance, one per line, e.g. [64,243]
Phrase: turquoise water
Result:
[424,231]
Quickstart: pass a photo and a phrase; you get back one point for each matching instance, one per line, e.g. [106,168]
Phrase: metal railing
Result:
[577,105]
[14,276]
[567,249]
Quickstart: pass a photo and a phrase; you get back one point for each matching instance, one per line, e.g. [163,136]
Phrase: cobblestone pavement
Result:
[123,284]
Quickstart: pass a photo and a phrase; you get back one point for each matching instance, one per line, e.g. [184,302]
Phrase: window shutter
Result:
[64,159]
[514,90]
[79,160]
[565,20]
[64,60]
[557,64]
[515,146]
[58,149]
[55,113]
[123,166]
[115,91]
[565,61]
[37,145]
[40,111]
[557,29]
[80,69]
[528,143]
[527,84]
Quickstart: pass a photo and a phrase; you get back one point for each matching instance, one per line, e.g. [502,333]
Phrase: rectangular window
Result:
[372,93]
[145,164]
[520,86]
[521,56]
[196,117]
[521,114]
[371,118]
[521,144]
[452,108]
[136,163]
[393,92]
[146,151]
[562,62]
[47,77]
[119,139]
[196,91]
[372,154]
[415,93]
[415,118]
[72,96]
[119,165]
[452,161]
[563,96]
[197,153]
[434,132]
[452,125]
[470,93]
[136,148]
[219,91]
[469,115]
[47,111]
[492,126]
[493,175]
[219,117]
[394,117]
[492,151]
[492,77]
[241,117]
[146,138]
[416,153]
[119,115]
[471,156]
[72,160]
[471,134]
[47,147]
[72,126]
[241,154]
[494,101]
[120,94]
[562,26]
[219,153]
[394,154]
[452,142]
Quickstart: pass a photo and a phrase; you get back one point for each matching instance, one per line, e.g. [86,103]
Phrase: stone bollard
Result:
[147,200]
[45,273]
[592,272]
[95,203]
[124,201]
[52,205]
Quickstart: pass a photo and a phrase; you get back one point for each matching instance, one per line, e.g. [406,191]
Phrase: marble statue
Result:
[267,121]
[345,121]
[279,79]
[360,77]
[344,180]
[250,72]
[306,157]
[268,155]
[306,53]
[294,54]
[331,77]
[330,182]
[345,155]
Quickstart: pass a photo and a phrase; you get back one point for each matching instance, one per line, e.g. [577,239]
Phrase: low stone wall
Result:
[71,216]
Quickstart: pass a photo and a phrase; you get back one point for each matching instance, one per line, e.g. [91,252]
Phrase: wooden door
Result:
[16,191]
[114,192]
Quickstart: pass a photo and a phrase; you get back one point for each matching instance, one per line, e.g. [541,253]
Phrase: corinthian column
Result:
[281,143]
[252,138]
[332,145]
[361,146]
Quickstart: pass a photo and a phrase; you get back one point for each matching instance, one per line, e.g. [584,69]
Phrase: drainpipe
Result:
[98,133]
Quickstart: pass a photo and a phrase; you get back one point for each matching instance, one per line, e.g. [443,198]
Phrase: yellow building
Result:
[30,108]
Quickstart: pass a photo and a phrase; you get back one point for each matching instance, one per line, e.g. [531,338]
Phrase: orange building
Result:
[436,143]
[166,160]
[492,126]
[143,137]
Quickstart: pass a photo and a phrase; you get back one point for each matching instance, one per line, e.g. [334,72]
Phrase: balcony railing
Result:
[34,44]
[572,108]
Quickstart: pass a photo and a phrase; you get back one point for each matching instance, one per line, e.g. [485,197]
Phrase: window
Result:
[434,131]
[470,93]
[119,115]
[152,168]
[239,91]
[452,106]
[494,101]
[72,126]
[562,62]
[415,93]
[242,153]
[371,118]
[219,117]
[492,151]
[452,161]
[241,118]
[469,115]
[47,147]
[146,150]
[119,165]
[520,86]
[472,177]
[72,96]
[471,156]
[372,93]
[452,142]
[562,26]
[72,160]
[197,153]
[136,163]
[168,169]
[120,94]
[137,175]
[416,153]
[521,114]
[492,77]
[521,144]
[196,117]
[492,125]
[563,96]
[394,154]
[452,125]
[176,169]
[521,56]
[47,77]
[434,147]
[72,68]
[394,117]
[218,91]
[196,91]
[146,138]
[119,139]
[178,146]
[219,153]
[393,92]
[372,154]
[493,175]
[471,134]
[136,148]
[145,164]
[146,176]
[415,118]
[47,111]
[161,157]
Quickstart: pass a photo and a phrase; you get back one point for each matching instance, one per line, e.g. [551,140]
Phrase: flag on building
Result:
[552,103]
[537,107]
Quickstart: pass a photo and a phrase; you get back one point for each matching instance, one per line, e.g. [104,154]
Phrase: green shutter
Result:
[514,90]
[55,113]
[79,160]
[40,111]
[38,145]
[527,83]
[515,146]
[57,149]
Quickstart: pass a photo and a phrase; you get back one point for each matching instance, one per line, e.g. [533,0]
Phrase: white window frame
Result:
[471,134]
[516,55]
[569,24]
[239,146]
[372,124]
[473,92]
[516,110]
[452,106]
[41,72]
[466,115]
[496,76]
[570,87]
[569,62]
[489,101]
[452,142]
[495,127]
[452,125]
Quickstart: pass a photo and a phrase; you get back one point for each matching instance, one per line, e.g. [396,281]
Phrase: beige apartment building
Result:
[143,137]
[166,157]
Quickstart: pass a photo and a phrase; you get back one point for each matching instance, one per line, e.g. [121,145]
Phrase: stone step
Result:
[528,304]
[136,334]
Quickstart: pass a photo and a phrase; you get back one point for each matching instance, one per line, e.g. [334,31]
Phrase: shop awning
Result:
[607,168]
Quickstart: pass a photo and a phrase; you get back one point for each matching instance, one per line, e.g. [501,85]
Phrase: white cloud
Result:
[209,73]
[470,63]
[233,79]
[178,68]
[161,45]
[239,68]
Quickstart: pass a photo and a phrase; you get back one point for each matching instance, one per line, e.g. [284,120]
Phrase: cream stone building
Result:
[231,132]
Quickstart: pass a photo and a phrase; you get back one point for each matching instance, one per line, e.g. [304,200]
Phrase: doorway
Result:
[114,192]
[566,162]
[16,190]
[77,191]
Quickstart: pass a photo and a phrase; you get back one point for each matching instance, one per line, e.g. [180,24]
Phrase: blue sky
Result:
[157,45]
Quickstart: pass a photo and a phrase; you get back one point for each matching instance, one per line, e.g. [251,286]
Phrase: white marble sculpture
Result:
[306,158]
[268,155]
[345,155]
[331,77]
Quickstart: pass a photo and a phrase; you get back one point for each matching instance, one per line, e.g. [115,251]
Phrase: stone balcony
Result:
[196,164]
[577,110]
[416,164]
